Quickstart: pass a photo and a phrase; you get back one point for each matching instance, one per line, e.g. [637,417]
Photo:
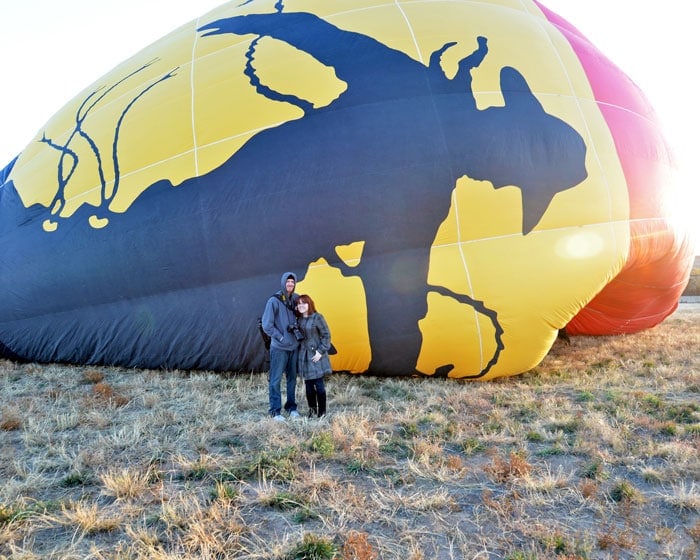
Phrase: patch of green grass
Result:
[391,389]
[409,429]
[369,384]
[75,478]
[683,413]
[382,390]
[357,466]
[224,492]
[616,397]
[305,513]
[313,547]
[284,500]
[323,444]
[534,437]
[519,555]
[279,465]
[448,430]
[397,448]
[434,428]
[651,403]
[668,429]
[607,363]
[472,445]
[198,471]
[570,426]
[693,429]
[13,513]
[623,491]
[593,470]
[526,413]
[552,450]
[397,477]
[235,472]
[563,547]
[585,396]
[493,427]
[232,441]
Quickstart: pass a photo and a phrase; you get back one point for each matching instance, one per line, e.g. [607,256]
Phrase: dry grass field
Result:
[595,454]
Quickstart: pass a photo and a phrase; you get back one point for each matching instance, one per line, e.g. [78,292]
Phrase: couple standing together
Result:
[299,343]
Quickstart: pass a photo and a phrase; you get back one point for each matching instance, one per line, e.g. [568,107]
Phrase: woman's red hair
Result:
[307,299]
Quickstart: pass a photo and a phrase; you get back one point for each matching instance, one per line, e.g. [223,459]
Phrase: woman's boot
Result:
[311,399]
[321,404]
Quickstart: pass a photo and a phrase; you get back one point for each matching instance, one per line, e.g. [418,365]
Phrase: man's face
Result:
[290,285]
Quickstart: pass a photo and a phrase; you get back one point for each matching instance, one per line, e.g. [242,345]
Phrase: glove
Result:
[317,356]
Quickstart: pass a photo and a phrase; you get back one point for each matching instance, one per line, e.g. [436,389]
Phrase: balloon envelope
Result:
[452,182]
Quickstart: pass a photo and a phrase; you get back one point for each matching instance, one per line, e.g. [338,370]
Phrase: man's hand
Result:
[317,356]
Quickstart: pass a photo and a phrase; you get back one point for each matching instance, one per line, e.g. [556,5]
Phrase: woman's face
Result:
[303,307]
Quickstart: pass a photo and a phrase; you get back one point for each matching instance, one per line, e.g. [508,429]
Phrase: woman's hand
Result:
[317,356]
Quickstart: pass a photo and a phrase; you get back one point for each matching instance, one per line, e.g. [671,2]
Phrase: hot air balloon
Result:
[453,183]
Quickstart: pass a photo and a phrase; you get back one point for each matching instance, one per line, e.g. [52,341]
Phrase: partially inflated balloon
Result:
[452,182]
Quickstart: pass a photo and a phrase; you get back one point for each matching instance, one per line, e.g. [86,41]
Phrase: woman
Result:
[313,354]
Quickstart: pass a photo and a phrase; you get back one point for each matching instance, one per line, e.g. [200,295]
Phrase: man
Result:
[277,321]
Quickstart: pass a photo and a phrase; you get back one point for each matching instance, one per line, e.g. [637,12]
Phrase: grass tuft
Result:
[313,547]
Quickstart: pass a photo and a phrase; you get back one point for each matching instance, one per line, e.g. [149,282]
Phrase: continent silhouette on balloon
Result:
[410,155]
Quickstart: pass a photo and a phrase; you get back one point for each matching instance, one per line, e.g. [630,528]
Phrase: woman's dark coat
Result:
[317,337]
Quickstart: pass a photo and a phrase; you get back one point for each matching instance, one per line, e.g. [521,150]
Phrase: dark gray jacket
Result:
[280,312]
[317,337]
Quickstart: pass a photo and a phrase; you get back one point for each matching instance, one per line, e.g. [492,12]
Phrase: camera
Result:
[296,331]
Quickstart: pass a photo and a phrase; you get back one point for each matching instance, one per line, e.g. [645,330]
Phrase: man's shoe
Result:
[294,414]
[278,418]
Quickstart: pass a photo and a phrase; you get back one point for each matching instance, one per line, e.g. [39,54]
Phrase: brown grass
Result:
[594,454]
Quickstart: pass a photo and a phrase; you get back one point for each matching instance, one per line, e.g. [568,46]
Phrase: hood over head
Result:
[283,281]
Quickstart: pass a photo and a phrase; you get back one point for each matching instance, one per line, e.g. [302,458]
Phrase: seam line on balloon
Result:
[612,223]
[548,28]
[410,29]
[192,100]
[468,276]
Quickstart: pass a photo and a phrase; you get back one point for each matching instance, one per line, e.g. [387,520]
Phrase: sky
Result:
[68,44]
